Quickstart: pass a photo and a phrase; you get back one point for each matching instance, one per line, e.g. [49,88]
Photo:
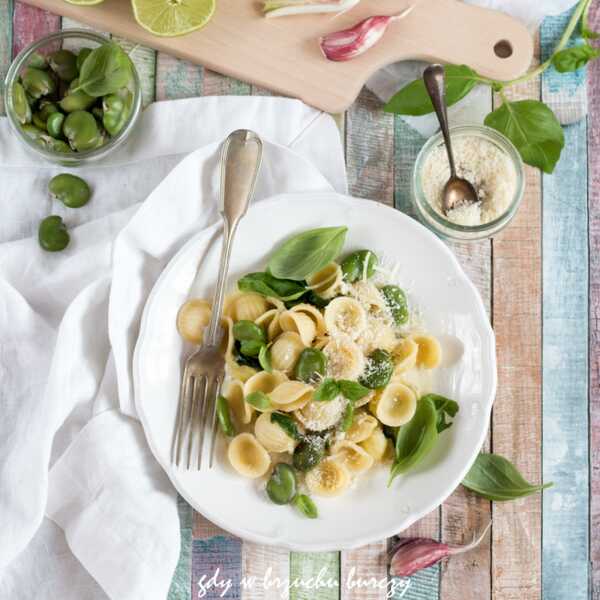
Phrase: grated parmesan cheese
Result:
[483,164]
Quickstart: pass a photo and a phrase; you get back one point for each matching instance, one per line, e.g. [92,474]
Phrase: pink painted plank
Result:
[30,24]
[594,318]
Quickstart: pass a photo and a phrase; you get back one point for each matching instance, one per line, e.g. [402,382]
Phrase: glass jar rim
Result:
[20,61]
[499,222]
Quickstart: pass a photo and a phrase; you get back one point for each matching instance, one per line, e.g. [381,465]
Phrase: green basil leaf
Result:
[445,408]
[306,506]
[306,253]
[308,298]
[327,391]
[249,331]
[588,34]
[352,389]
[494,477]
[224,417]
[244,359]
[259,400]
[533,128]
[571,59]
[415,439]
[264,358]
[348,416]
[287,424]
[267,285]
[105,71]
[414,100]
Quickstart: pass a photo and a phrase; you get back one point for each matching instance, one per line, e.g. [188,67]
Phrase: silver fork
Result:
[204,370]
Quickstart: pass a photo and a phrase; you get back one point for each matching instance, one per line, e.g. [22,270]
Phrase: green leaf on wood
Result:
[572,59]
[494,477]
[413,99]
[534,130]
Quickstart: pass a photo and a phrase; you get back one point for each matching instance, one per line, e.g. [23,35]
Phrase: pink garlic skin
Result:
[349,43]
[413,554]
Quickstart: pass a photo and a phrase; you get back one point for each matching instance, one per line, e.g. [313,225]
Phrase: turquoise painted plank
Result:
[565,533]
[6,10]
[181,588]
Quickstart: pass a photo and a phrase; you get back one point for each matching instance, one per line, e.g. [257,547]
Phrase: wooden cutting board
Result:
[283,54]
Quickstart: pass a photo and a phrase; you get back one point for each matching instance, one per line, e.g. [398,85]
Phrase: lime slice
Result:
[84,2]
[172,17]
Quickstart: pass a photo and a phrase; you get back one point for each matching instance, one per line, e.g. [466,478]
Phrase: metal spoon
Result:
[457,191]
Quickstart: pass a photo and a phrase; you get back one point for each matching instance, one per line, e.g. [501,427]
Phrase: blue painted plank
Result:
[565,553]
[181,584]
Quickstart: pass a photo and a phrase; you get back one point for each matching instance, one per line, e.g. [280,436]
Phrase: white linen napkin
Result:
[85,510]
[473,108]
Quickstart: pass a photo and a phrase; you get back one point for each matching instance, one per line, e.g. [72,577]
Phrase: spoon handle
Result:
[434,79]
[240,162]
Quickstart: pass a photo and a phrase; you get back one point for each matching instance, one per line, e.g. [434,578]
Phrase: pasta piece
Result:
[318,416]
[328,478]
[285,351]
[192,319]
[272,436]
[376,445]
[405,356]
[362,427]
[352,456]
[315,314]
[365,399]
[321,342]
[245,306]
[344,359]
[396,405]
[240,409]
[327,281]
[235,371]
[429,355]
[368,294]
[247,456]
[269,321]
[291,395]
[345,316]
[264,382]
[300,323]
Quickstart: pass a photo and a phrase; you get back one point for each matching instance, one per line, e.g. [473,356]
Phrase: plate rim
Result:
[375,536]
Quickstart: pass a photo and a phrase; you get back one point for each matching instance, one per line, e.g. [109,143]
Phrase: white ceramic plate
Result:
[451,309]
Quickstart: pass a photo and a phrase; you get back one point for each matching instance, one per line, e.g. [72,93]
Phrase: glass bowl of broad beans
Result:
[73,96]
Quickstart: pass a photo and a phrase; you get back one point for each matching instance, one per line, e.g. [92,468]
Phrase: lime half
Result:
[172,17]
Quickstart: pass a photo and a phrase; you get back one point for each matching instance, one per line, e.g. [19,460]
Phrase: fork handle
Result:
[240,161]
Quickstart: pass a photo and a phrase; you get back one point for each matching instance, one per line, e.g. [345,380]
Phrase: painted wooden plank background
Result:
[534,280]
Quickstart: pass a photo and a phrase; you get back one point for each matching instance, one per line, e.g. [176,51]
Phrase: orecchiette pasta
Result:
[405,355]
[192,318]
[247,456]
[345,360]
[319,416]
[328,478]
[271,435]
[362,427]
[291,395]
[298,373]
[352,456]
[396,405]
[345,316]
[299,323]
[429,354]
[240,409]
[327,281]
[376,445]
[285,351]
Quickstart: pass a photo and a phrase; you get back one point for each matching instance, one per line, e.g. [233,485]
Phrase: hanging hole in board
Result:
[503,49]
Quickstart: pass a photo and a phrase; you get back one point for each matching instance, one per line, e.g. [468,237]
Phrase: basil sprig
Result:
[494,477]
[331,388]
[306,253]
[416,439]
[287,424]
[267,285]
[105,71]
[413,99]
[529,124]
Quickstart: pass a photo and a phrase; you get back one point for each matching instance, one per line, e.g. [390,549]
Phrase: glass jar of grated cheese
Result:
[490,162]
